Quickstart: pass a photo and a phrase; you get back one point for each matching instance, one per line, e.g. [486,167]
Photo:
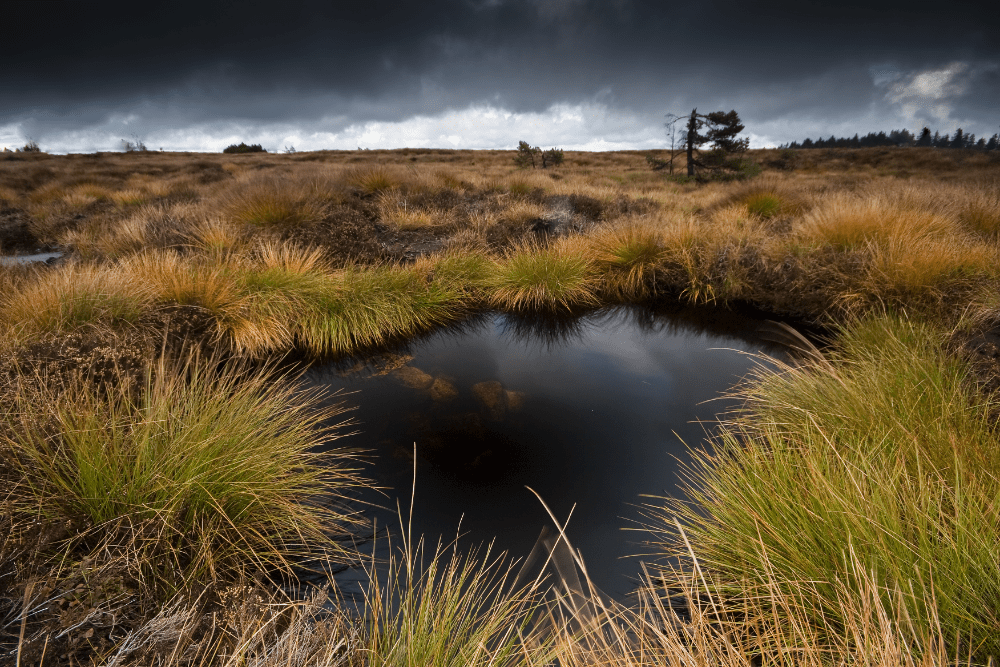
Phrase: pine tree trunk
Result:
[691,138]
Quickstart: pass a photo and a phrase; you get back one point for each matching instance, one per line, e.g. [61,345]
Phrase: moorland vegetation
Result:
[164,490]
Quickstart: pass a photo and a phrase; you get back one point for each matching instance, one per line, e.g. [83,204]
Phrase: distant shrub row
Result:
[243,148]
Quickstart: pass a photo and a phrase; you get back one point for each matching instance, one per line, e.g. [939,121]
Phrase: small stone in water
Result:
[442,390]
[413,377]
[493,397]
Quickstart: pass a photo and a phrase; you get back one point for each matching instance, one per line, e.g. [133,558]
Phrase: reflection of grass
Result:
[879,464]
[194,475]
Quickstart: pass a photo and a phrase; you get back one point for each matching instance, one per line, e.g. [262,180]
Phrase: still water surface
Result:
[593,412]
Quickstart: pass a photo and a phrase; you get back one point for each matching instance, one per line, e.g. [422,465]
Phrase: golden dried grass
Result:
[268,201]
[395,210]
[74,296]
[628,256]
[849,221]
[557,277]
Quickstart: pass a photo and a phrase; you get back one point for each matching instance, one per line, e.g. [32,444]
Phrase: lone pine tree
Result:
[721,129]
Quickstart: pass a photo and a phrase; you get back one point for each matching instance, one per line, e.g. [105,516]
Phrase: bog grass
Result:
[196,474]
[444,608]
[554,278]
[72,297]
[265,201]
[373,180]
[628,258]
[849,221]
[872,472]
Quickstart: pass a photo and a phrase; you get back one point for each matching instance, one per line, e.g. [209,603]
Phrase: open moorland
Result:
[163,490]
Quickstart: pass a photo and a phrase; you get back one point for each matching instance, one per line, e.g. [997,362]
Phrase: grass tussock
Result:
[558,277]
[395,210]
[847,222]
[216,238]
[872,473]
[129,198]
[629,257]
[369,307]
[766,199]
[375,179]
[175,279]
[73,296]
[916,267]
[979,211]
[195,474]
[265,201]
[702,259]
[9,197]
[147,226]
[455,610]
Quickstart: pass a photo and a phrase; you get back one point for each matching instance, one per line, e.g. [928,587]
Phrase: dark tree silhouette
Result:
[902,138]
[721,130]
[958,141]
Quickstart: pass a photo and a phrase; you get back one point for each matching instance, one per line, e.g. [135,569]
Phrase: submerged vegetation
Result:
[164,480]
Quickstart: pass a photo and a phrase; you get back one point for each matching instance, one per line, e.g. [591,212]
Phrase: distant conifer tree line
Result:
[904,138]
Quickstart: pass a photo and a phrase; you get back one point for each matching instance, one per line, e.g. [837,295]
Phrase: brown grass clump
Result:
[9,197]
[175,279]
[979,211]
[130,197]
[146,227]
[397,211]
[519,213]
[216,237]
[372,180]
[72,296]
[557,277]
[766,198]
[849,221]
[628,257]
[707,261]
[265,201]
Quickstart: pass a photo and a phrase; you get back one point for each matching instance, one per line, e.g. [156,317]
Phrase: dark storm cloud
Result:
[184,63]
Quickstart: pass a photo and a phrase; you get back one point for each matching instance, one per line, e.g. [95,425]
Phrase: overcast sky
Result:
[579,74]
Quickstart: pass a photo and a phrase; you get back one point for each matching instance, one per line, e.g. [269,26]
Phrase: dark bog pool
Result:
[592,412]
